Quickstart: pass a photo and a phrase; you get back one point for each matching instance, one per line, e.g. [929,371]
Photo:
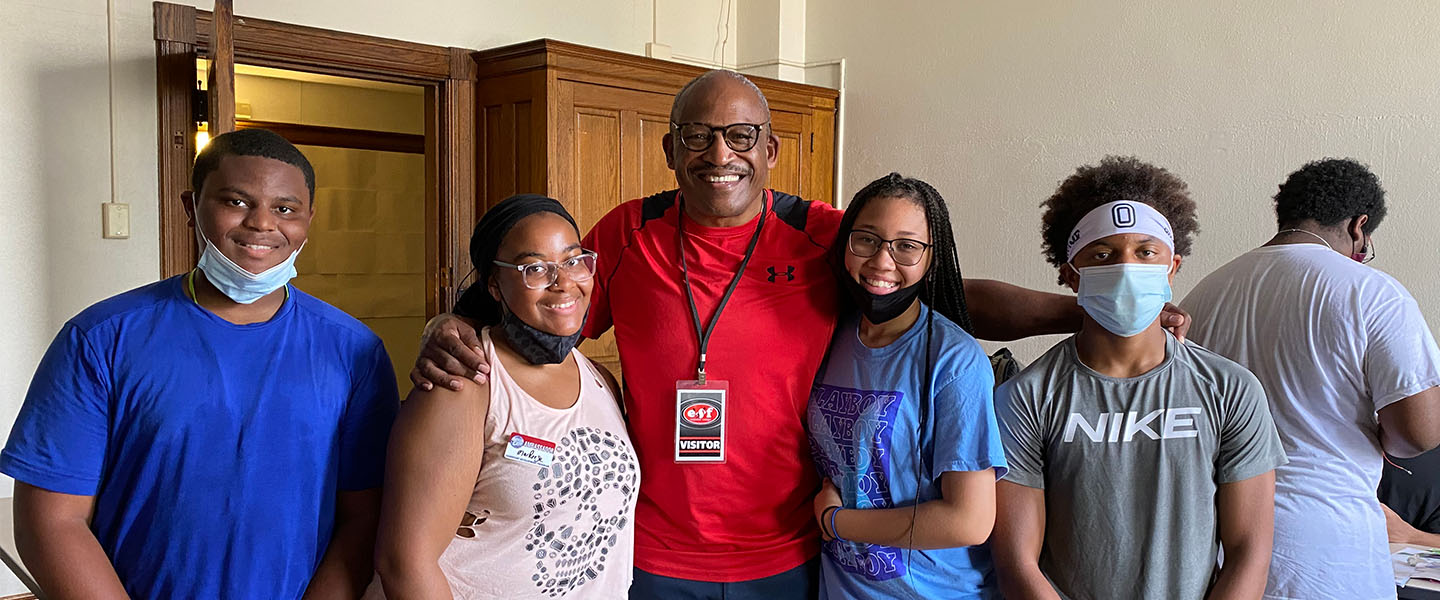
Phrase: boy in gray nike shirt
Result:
[1133,456]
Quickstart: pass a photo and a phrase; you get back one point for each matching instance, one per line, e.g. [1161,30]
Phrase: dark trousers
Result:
[799,583]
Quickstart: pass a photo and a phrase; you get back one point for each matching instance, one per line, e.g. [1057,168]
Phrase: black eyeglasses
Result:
[905,251]
[697,137]
[544,273]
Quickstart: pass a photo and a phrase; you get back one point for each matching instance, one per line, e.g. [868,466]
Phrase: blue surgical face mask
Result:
[1124,298]
[237,283]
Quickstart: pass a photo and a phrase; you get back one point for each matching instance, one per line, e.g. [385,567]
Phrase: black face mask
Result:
[537,347]
[878,308]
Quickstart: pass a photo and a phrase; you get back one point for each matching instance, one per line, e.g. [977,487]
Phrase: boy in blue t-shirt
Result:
[218,434]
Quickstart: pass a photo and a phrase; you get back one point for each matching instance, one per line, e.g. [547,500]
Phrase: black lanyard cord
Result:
[704,333]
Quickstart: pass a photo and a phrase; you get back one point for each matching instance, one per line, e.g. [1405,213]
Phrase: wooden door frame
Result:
[182,34]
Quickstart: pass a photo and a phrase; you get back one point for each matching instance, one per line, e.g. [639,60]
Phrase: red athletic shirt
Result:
[752,516]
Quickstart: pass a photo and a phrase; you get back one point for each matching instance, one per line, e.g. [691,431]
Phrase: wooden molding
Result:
[454,167]
[174,82]
[221,72]
[285,46]
[174,23]
[462,64]
[175,78]
[607,67]
[447,74]
[339,137]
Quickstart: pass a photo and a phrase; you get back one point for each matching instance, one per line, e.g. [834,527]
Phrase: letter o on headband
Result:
[1123,216]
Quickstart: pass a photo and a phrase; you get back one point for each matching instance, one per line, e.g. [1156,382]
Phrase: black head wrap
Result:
[476,302]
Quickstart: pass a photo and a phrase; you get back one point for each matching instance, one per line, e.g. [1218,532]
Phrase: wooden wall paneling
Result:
[788,173]
[645,117]
[499,144]
[541,126]
[572,69]
[822,155]
[632,165]
[509,129]
[560,138]
[627,71]
[596,157]
[807,157]
[656,176]
[174,80]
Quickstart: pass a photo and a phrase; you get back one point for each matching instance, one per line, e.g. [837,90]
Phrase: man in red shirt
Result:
[743,268]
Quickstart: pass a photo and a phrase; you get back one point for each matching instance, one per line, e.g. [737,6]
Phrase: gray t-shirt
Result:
[1130,466]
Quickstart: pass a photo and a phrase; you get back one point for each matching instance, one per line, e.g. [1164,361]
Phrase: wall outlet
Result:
[115,218]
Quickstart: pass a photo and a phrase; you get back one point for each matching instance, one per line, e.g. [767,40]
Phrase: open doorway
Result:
[379,119]
[366,139]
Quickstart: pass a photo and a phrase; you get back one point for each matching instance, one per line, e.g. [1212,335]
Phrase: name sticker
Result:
[529,449]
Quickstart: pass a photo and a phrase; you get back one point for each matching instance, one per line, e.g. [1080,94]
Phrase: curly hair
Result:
[943,288]
[1116,178]
[1330,191]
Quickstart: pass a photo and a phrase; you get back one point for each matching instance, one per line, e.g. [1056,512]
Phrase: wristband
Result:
[834,533]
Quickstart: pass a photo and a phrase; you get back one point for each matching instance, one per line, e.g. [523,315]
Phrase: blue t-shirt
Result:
[214,450]
[863,419]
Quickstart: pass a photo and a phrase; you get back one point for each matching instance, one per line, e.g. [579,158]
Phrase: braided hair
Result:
[943,288]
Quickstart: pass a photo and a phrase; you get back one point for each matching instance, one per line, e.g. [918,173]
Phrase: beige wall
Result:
[291,97]
[996,102]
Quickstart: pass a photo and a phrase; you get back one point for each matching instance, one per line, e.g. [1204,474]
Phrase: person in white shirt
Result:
[1349,366]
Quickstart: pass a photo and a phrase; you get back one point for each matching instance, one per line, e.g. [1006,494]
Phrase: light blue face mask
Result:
[1124,298]
[234,281]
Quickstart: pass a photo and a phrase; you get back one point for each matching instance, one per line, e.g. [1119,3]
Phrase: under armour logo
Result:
[789,273]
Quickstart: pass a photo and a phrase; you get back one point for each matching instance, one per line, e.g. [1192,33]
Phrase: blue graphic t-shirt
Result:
[863,423]
[214,451]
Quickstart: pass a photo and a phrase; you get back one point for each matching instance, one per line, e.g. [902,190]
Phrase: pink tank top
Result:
[553,511]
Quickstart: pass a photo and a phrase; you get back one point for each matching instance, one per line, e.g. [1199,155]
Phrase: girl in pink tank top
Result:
[524,487]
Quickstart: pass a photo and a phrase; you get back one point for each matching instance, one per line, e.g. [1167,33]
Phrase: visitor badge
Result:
[700,415]
[529,449]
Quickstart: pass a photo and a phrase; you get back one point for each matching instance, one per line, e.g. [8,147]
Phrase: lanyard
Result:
[704,333]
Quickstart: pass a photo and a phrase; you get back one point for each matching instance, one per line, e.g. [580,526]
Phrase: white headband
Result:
[1124,216]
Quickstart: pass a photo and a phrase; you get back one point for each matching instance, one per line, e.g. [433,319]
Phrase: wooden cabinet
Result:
[584,126]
